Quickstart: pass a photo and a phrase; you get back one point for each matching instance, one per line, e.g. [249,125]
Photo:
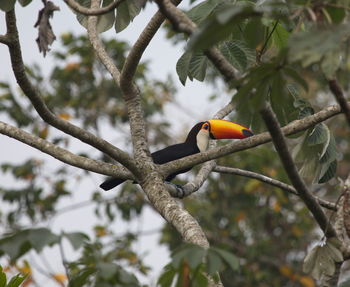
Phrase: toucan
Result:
[197,141]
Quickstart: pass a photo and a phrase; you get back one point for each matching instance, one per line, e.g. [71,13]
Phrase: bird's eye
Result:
[206,126]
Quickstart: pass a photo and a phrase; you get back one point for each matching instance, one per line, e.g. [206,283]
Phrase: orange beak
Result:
[221,129]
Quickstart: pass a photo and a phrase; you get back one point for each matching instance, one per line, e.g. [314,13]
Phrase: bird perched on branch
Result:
[197,141]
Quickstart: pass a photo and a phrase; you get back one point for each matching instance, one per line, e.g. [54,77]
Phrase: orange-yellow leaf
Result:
[307,281]
[285,270]
[44,132]
[72,66]
[64,116]
[276,206]
[60,277]
[240,216]
[297,231]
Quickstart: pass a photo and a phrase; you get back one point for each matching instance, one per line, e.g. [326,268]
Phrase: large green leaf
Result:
[2,278]
[16,280]
[238,54]
[214,262]
[321,260]
[77,239]
[104,22]
[126,12]
[220,25]
[198,66]
[319,45]
[319,135]
[231,260]
[201,11]
[182,66]
[7,5]
[17,244]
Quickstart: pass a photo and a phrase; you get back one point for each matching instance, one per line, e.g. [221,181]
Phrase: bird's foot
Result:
[176,190]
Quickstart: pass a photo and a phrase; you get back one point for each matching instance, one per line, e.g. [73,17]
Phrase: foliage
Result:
[13,282]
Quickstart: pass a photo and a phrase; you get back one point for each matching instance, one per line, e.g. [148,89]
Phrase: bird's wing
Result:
[173,152]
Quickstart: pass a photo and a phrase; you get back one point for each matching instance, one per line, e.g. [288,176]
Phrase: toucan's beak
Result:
[221,129]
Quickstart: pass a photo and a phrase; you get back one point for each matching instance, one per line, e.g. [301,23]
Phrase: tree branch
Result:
[90,11]
[184,24]
[4,39]
[339,96]
[62,154]
[271,181]
[292,172]
[137,50]
[292,128]
[33,94]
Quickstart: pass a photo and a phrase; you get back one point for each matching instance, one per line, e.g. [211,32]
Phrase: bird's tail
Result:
[111,182]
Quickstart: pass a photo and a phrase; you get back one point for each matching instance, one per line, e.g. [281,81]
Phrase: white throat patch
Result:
[203,140]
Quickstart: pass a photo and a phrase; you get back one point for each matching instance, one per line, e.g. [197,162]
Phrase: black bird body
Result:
[197,140]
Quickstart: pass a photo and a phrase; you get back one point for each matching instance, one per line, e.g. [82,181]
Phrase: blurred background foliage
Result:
[284,52]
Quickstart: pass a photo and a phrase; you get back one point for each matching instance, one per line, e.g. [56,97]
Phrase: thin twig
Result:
[271,181]
[93,12]
[262,51]
[339,96]
[292,172]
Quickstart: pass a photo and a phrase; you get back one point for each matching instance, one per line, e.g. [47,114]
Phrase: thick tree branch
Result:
[137,50]
[339,96]
[292,128]
[184,24]
[90,11]
[270,181]
[62,154]
[131,97]
[4,39]
[292,172]
[33,94]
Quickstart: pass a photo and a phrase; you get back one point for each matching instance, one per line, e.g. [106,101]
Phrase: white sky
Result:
[163,57]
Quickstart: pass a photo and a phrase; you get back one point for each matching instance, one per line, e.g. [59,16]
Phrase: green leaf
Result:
[296,77]
[319,135]
[41,237]
[320,261]
[238,54]
[7,5]
[104,22]
[334,245]
[167,276]
[214,262]
[329,152]
[2,278]
[182,66]
[231,259]
[126,12]
[220,25]
[201,11]
[16,280]
[106,270]
[337,14]
[280,37]
[328,171]
[198,66]
[77,239]
[24,2]
[195,256]
[17,244]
